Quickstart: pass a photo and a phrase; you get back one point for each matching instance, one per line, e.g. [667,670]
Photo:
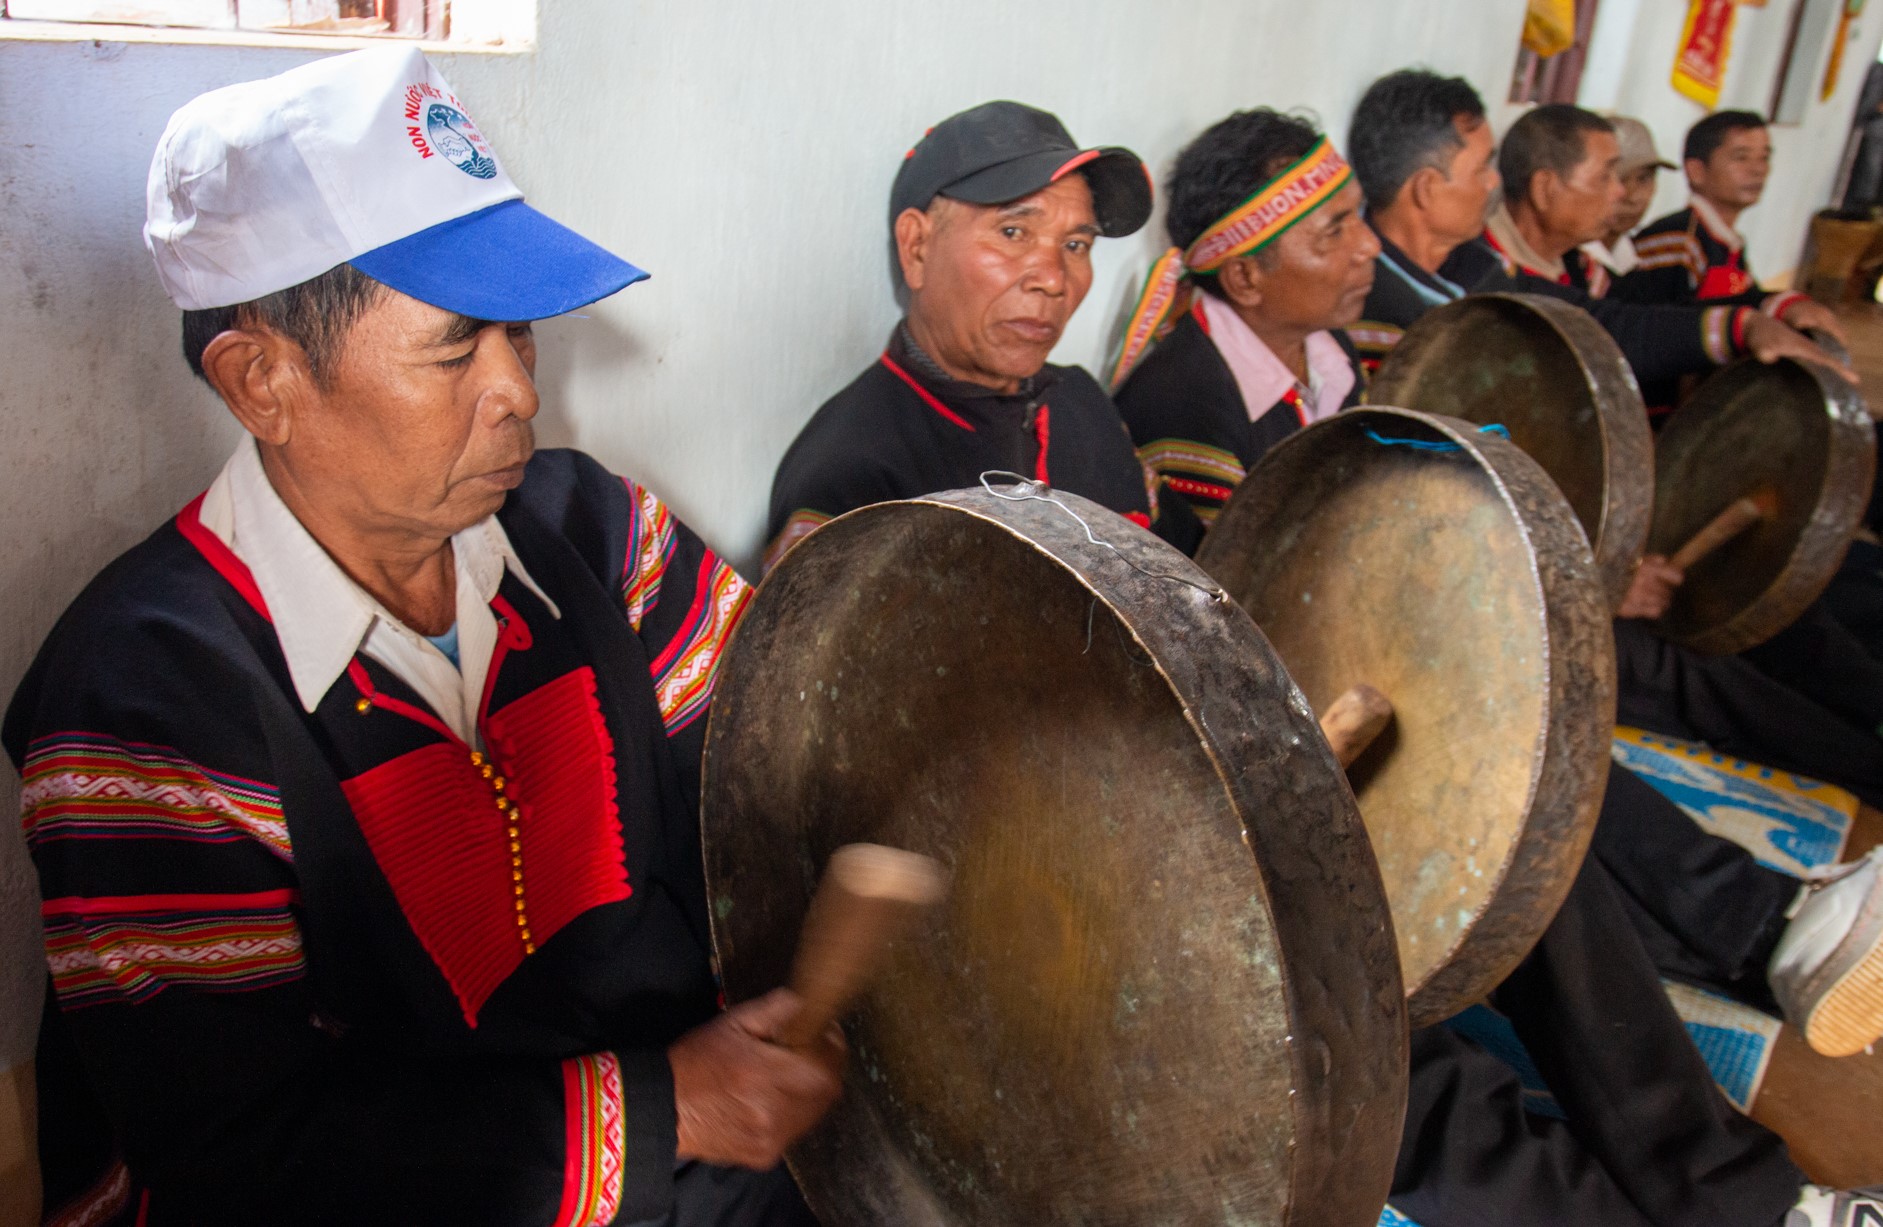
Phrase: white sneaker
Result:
[1821,1207]
[1827,971]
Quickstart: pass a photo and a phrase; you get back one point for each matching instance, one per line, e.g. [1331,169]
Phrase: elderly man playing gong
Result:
[362,793]
[993,215]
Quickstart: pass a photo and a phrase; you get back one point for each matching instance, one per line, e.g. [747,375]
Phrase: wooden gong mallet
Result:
[1738,516]
[1354,720]
[868,899]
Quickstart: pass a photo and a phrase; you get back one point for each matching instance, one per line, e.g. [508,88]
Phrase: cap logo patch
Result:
[447,131]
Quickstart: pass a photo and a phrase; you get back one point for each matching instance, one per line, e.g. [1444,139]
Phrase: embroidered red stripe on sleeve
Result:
[595,1146]
[684,674]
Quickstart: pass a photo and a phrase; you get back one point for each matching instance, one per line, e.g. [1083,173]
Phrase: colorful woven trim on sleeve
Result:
[87,786]
[650,548]
[102,1203]
[1205,475]
[1252,225]
[595,1149]
[1374,340]
[1671,249]
[127,949]
[1722,332]
[796,529]
[684,674]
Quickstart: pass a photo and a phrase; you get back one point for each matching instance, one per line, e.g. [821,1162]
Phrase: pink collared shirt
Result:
[1264,379]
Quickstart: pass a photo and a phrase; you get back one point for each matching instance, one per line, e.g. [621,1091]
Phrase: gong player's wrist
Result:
[1742,325]
[1779,306]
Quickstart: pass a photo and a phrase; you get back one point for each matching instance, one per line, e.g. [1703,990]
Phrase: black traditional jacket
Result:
[1661,342]
[1401,293]
[903,429]
[336,967]
[1683,260]
[1190,422]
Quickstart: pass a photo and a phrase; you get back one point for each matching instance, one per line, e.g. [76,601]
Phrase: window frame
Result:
[500,26]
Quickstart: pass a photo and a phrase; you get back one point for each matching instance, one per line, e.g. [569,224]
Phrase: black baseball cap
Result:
[1002,151]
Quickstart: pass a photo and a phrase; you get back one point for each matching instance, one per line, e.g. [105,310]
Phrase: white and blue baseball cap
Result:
[368,159]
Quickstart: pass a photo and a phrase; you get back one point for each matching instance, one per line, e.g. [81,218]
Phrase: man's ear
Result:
[914,228]
[1695,168]
[1545,186]
[1418,191]
[262,377]
[1242,281]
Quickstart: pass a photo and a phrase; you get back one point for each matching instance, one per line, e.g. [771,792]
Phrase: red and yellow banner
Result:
[1853,9]
[1705,44]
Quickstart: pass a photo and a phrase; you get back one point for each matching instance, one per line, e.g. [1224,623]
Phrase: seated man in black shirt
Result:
[994,214]
[363,793]
[1238,340]
[1697,254]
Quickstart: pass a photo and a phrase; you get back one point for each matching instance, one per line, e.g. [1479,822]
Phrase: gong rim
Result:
[1304,856]
[1251,551]
[1822,465]
[1435,364]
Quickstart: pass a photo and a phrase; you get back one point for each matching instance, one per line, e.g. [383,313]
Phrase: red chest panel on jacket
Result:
[1724,281]
[486,873]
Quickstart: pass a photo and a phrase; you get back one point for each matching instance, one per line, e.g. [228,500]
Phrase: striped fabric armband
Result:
[1723,332]
[684,674]
[595,1149]
[1205,475]
[85,786]
[128,949]
[650,547]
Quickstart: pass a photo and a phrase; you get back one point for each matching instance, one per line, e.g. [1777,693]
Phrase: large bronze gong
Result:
[1442,567]
[1796,440]
[1163,987]
[1548,373]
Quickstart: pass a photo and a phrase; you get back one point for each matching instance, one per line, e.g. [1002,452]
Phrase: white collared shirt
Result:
[322,617]
[1264,379]
[1620,258]
[1715,224]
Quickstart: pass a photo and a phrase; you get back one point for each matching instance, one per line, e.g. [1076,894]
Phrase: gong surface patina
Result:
[1164,986]
[1550,375]
[1792,434]
[1458,583]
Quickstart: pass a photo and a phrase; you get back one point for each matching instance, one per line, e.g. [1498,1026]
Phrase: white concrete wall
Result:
[741,152]
[1630,65]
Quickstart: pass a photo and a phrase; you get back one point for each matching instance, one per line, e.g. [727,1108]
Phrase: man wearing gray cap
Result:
[1613,255]
[363,793]
[993,214]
